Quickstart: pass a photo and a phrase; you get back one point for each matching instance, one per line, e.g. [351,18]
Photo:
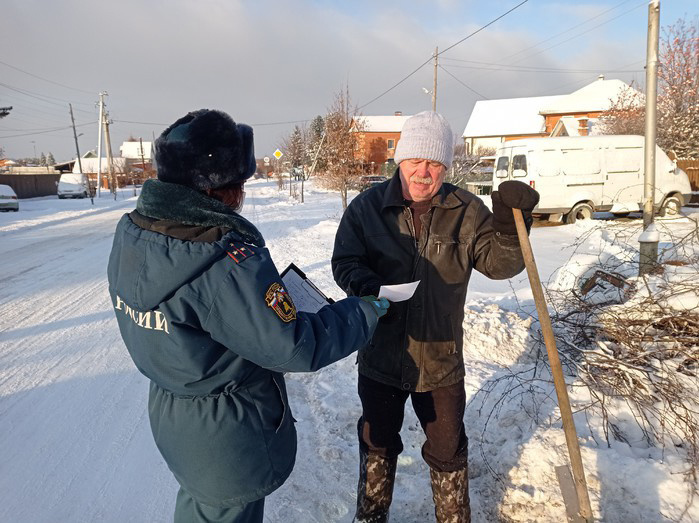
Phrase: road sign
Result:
[278,154]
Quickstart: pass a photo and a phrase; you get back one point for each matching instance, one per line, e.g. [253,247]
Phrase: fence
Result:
[31,185]
[691,167]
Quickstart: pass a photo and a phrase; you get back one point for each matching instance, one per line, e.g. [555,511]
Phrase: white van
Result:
[73,185]
[579,175]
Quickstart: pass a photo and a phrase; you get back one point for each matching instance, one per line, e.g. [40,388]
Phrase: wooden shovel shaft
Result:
[556,369]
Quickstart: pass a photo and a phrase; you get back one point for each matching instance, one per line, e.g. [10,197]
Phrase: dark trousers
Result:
[189,510]
[441,414]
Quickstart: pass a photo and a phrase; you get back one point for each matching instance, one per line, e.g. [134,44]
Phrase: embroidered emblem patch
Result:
[280,302]
[238,252]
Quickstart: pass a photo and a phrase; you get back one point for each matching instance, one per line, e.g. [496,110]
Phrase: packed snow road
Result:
[75,439]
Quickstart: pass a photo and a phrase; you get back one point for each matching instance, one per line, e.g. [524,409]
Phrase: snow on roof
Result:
[597,96]
[382,124]
[133,150]
[90,165]
[525,115]
[569,124]
[508,116]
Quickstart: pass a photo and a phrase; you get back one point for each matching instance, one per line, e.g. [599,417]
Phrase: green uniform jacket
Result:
[418,344]
[204,315]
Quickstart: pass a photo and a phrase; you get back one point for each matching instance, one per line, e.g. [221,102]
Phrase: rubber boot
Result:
[450,495]
[375,490]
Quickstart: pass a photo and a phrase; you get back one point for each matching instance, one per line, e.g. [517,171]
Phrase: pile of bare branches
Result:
[634,341]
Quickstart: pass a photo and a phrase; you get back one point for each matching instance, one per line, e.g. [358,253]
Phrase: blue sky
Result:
[270,61]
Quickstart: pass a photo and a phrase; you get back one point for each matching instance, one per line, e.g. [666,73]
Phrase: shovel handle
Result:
[556,369]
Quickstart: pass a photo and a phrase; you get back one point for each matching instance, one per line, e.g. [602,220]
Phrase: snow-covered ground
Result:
[75,444]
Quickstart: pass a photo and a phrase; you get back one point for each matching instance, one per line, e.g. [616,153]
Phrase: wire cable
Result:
[45,79]
[462,83]
[441,52]
[48,130]
[486,25]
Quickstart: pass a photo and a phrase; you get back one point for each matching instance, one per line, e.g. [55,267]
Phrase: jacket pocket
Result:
[286,413]
[271,402]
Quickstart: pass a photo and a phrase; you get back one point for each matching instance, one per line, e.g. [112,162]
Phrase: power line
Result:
[445,50]
[279,123]
[534,69]
[584,32]
[44,79]
[574,27]
[44,98]
[397,84]
[462,83]
[47,130]
[251,124]
[486,25]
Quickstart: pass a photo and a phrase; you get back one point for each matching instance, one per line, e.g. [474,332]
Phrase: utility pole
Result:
[110,164]
[84,177]
[648,253]
[143,166]
[434,86]
[99,144]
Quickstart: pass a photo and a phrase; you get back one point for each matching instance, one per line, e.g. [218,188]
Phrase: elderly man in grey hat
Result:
[415,227]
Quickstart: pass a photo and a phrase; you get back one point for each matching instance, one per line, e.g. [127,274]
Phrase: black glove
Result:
[512,195]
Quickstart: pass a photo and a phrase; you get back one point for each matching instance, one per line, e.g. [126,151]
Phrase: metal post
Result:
[434,86]
[99,144]
[110,162]
[649,249]
[83,176]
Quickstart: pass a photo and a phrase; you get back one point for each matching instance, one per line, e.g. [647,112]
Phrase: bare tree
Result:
[341,147]
[627,114]
[678,95]
[678,108]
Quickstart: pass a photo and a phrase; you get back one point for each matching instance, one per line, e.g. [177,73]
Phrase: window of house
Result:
[391,144]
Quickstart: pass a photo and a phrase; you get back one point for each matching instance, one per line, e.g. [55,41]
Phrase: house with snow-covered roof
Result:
[576,114]
[377,137]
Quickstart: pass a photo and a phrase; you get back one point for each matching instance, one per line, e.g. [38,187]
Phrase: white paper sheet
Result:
[400,292]
[306,296]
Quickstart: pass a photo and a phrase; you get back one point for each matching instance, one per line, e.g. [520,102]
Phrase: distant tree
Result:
[296,151]
[42,160]
[678,95]
[314,138]
[678,108]
[2,151]
[626,115]
[50,160]
[341,146]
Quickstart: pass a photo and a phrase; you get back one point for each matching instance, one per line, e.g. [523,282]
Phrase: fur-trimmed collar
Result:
[171,201]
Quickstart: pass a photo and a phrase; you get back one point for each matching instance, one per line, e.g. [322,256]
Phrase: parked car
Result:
[8,199]
[577,176]
[366,182]
[73,185]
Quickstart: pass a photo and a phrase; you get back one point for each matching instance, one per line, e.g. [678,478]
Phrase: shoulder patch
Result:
[239,251]
[280,302]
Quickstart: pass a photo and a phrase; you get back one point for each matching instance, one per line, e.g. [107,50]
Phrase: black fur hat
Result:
[205,150]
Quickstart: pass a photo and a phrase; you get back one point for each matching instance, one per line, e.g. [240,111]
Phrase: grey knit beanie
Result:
[426,135]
